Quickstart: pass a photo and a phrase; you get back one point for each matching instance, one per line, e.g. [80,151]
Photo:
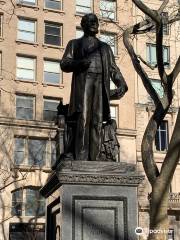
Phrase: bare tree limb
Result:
[148,158]
[173,154]
[159,52]
[138,67]
[12,182]
[147,64]
[163,5]
[175,19]
[149,12]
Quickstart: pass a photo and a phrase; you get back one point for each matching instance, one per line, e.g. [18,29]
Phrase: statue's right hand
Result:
[84,64]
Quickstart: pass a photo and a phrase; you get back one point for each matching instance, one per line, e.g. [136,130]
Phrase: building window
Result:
[114,113]
[26,231]
[50,109]
[53,152]
[32,155]
[1,24]
[83,6]
[28,2]
[110,39]
[26,30]
[19,151]
[34,152]
[28,202]
[17,203]
[25,107]
[158,87]
[25,68]
[165,25]
[108,9]
[35,203]
[79,33]
[52,72]
[161,138]
[151,55]
[53,33]
[53,4]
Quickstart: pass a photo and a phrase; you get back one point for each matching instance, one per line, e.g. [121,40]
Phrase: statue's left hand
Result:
[118,93]
[122,90]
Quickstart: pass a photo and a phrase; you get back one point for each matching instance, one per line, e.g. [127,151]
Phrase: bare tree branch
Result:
[163,5]
[177,18]
[149,12]
[147,64]
[12,182]
[173,154]
[159,52]
[160,181]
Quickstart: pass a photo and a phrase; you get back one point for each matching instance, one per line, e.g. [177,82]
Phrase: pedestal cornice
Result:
[92,173]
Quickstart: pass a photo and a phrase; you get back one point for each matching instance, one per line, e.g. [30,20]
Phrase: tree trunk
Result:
[159,211]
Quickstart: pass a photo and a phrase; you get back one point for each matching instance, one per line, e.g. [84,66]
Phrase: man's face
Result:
[91,26]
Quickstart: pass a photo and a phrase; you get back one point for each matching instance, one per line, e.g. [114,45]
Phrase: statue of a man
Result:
[93,65]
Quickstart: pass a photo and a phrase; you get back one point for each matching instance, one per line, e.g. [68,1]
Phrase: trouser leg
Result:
[89,123]
[96,120]
[83,123]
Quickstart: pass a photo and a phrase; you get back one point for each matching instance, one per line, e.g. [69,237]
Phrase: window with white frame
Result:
[53,33]
[28,2]
[110,39]
[34,152]
[158,87]
[19,151]
[37,152]
[25,68]
[79,33]
[1,24]
[26,30]
[83,6]
[50,109]
[114,112]
[53,4]
[52,72]
[166,55]
[151,55]
[25,107]
[162,137]
[108,9]
[27,202]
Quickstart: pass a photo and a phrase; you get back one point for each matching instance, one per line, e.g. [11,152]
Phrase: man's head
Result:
[89,24]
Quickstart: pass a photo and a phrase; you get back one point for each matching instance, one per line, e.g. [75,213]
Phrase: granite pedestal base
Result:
[98,200]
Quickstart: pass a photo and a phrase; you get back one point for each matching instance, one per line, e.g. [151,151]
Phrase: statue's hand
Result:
[122,90]
[118,93]
[84,64]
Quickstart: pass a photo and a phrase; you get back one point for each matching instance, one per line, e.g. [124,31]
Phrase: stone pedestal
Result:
[98,200]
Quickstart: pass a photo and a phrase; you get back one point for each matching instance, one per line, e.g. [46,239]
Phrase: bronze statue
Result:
[93,66]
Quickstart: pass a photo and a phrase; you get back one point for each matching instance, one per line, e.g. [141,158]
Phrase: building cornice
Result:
[126,132]
[12,122]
